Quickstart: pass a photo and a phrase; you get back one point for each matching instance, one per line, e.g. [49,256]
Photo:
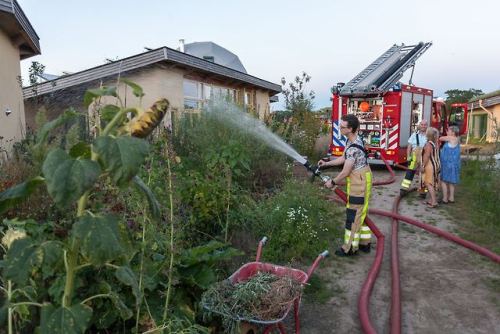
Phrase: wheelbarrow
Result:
[250,269]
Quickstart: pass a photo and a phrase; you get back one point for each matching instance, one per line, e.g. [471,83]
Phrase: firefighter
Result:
[359,182]
[416,142]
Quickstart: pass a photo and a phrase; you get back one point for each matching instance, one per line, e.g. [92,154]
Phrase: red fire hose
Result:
[363,302]
[395,281]
[364,297]
[467,244]
[391,179]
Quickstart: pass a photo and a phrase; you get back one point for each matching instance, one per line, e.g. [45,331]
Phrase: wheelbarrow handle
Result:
[262,242]
[315,264]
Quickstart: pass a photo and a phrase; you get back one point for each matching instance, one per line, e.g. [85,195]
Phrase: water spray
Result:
[232,115]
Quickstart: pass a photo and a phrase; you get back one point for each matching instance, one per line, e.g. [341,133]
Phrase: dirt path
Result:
[445,288]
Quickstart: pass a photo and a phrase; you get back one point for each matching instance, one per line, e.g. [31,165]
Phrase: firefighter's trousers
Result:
[416,157]
[359,186]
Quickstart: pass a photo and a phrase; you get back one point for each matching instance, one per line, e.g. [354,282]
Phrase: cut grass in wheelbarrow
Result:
[259,293]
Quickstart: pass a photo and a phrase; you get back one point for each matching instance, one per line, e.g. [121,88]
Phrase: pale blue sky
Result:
[330,40]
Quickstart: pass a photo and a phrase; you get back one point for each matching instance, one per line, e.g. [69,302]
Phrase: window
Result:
[224,93]
[191,89]
[248,98]
[416,115]
[190,104]
[193,92]
[196,94]
[209,58]
[207,92]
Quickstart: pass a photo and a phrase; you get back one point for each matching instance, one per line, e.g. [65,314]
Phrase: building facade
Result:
[484,122]
[187,81]
[18,40]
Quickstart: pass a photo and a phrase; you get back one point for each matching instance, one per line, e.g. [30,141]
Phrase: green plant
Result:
[298,124]
[299,221]
[220,170]
[94,242]
[480,181]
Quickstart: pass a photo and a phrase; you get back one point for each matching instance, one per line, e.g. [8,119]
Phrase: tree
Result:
[299,125]
[35,71]
[461,96]
[297,100]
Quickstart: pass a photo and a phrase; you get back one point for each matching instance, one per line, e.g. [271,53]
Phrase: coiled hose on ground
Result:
[364,298]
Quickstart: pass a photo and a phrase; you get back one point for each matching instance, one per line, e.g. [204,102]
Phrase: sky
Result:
[332,40]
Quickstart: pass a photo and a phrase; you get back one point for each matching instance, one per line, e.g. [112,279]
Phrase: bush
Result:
[221,170]
[299,222]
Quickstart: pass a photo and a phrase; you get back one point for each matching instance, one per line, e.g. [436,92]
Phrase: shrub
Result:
[299,222]
[221,169]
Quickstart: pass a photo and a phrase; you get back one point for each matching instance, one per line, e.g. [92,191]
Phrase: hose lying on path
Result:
[364,297]
[363,302]
[395,279]
[449,236]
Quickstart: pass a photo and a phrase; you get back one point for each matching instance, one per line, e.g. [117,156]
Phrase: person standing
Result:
[450,164]
[359,182]
[416,142]
[431,165]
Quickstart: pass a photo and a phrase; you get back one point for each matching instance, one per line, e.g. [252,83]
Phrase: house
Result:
[484,122]
[18,40]
[187,77]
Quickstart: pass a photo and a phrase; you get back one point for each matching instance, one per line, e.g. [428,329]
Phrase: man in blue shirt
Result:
[416,142]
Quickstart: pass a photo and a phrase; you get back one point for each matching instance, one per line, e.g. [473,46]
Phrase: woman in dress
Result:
[450,164]
[431,165]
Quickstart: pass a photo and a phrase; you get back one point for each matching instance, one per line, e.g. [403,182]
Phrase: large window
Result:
[196,94]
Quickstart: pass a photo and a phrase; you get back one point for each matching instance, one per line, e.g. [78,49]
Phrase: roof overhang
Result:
[161,55]
[487,102]
[17,26]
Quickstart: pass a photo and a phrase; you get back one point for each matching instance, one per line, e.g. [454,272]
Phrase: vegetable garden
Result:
[123,232]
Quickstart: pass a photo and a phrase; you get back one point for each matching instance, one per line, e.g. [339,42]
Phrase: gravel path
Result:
[445,288]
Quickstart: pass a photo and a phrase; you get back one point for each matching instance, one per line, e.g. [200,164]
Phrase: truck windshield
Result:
[457,116]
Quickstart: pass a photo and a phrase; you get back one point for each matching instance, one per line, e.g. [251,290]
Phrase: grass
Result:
[318,291]
[476,208]
[406,228]
[494,285]
[410,200]
[431,221]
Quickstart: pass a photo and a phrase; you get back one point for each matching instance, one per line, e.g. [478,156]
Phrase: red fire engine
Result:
[388,110]
[443,118]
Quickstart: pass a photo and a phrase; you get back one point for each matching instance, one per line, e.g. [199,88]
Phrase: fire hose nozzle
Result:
[314,169]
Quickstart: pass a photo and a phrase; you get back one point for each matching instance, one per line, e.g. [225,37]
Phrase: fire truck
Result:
[456,116]
[388,110]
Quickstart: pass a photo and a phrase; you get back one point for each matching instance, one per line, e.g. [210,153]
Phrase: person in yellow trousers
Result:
[359,182]
[416,143]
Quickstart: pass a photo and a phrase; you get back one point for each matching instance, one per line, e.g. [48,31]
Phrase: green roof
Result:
[485,96]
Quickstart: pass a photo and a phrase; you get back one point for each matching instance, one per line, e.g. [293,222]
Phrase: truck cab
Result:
[443,118]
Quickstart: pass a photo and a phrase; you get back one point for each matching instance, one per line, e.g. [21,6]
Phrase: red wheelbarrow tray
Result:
[252,268]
